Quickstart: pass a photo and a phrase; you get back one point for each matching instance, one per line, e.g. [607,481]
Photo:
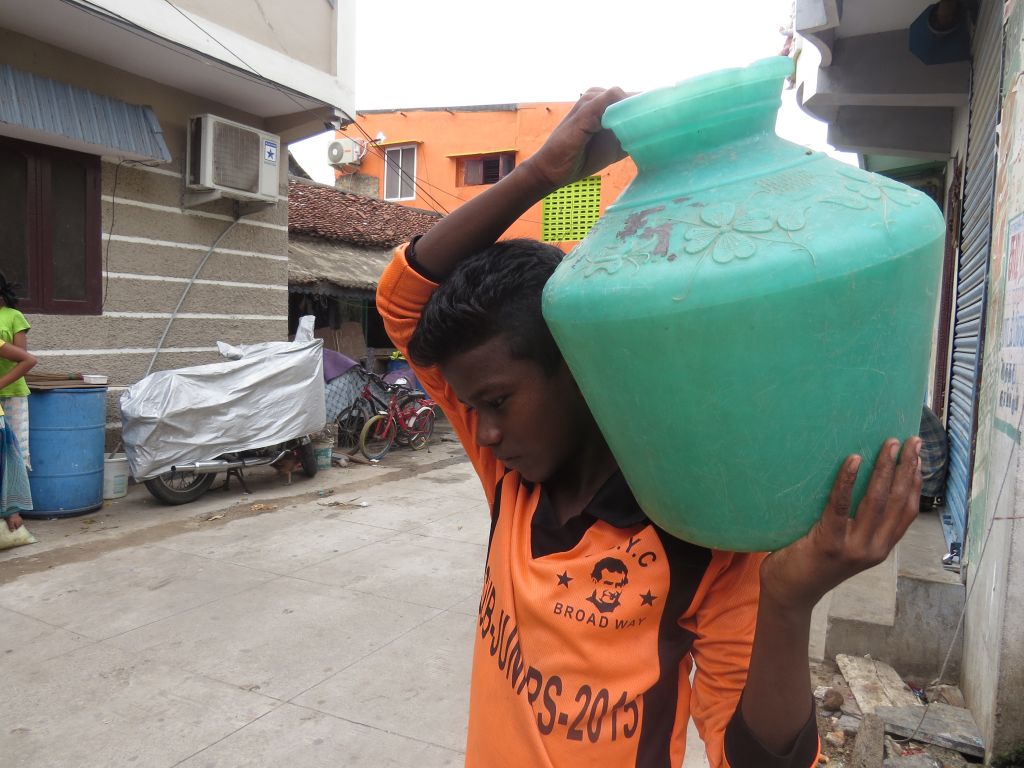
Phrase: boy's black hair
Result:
[494,292]
[8,292]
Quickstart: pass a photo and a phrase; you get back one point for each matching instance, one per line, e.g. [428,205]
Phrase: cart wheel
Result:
[307,458]
[179,487]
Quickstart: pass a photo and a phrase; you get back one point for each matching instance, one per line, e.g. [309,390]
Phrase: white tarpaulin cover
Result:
[273,393]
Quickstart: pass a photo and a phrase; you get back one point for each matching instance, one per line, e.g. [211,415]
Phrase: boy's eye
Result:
[497,402]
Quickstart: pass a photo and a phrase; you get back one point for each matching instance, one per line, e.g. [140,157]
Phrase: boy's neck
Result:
[573,486]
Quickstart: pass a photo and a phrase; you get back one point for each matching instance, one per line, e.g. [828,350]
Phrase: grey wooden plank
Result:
[944,725]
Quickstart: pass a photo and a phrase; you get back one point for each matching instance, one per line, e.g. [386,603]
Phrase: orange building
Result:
[439,157]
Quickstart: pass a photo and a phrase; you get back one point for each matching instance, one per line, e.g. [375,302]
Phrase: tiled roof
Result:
[320,211]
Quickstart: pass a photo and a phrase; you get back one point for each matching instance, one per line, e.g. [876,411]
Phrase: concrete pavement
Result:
[327,623]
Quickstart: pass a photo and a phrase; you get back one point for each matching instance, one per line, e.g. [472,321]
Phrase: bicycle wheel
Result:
[408,405]
[377,437]
[421,428]
[407,411]
[350,425]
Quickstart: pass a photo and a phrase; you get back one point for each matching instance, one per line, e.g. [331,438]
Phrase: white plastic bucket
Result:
[115,476]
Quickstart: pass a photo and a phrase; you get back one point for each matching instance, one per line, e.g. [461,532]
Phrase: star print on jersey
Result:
[563,579]
[648,598]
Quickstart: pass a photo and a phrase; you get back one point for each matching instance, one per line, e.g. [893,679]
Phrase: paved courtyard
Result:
[326,623]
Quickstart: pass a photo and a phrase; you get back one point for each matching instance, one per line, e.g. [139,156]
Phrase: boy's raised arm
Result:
[577,148]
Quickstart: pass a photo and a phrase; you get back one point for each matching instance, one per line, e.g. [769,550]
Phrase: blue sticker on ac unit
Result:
[270,151]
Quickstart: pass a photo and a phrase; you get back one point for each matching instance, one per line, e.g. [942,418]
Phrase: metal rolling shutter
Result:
[972,269]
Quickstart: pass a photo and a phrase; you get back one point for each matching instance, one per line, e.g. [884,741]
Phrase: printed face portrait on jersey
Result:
[610,575]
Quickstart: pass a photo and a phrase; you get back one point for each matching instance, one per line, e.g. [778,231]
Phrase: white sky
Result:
[459,52]
[416,53]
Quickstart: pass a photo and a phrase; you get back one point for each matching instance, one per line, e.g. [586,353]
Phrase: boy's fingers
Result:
[604,149]
[596,100]
[906,471]
[837,512]
[587,97]
[904,497]
[874,503]
[609,97]
[910,510]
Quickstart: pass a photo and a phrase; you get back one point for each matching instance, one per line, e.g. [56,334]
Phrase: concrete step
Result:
[904,611]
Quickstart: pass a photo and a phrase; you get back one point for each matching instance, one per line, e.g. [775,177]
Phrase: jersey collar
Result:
[615,504]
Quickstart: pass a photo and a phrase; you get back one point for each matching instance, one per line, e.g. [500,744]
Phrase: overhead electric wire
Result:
[464,200]
[128,26]
[183,50]
[303,107]
[195,24]
[381,153]
[432,202]
[417,182]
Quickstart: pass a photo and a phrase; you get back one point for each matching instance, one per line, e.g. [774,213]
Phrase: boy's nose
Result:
[487,435]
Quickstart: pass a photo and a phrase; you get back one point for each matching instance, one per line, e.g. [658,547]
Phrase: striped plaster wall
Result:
[151,248]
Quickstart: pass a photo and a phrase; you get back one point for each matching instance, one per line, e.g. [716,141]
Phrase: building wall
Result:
[152,246]
[993,676]
[447,132]
[307,45]
[359,184]
[301,29]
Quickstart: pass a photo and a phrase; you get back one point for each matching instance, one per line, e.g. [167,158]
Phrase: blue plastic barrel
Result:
[66,429]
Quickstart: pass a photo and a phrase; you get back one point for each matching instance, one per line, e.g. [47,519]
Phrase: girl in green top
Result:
[15,494]
[14,397]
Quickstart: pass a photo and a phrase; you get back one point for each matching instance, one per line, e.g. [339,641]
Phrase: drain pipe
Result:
[181,302]
[184,294]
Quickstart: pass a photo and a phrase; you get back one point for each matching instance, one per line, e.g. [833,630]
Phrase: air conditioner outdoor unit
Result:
[346,152]
[227,159]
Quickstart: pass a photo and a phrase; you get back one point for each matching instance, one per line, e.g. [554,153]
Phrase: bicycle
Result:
[410,424]
[373,425]
[351,420]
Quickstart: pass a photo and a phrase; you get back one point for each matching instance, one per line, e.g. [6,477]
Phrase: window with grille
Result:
[484,169]
[400,173]
[570,212]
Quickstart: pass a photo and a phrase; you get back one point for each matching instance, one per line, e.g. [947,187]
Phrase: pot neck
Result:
[701,115]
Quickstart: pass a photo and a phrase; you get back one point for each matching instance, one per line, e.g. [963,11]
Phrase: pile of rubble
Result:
[871,718]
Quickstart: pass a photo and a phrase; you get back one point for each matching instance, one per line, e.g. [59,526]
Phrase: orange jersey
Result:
[587,632]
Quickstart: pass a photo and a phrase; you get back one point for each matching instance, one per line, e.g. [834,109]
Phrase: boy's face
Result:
[530,419]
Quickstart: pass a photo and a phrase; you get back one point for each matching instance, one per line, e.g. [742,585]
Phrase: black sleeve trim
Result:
[743,750]
[410,257]
[495,510]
